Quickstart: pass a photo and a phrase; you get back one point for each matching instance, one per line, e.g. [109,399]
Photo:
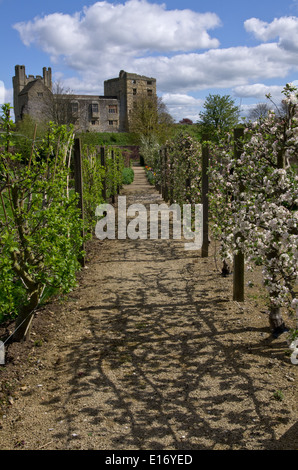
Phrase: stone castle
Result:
[33,96]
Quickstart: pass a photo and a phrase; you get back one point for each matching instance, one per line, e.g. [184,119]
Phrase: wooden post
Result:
[238,269]
[188,184]
[205,202]
[103,164]
[78,177]
[118,175]
[171,182]
[162,173]
[165,161]
[160,185]
[238,277]
[113,184]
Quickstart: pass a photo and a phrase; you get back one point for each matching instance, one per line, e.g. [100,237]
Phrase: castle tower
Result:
[127,88]
[20,82]
[47,77]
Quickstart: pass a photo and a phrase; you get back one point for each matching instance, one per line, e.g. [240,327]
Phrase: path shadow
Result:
[156,369]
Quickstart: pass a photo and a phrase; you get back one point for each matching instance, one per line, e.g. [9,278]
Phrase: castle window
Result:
[74,107]
[112,123]
[149,92]
[134,91]
[40,94]
[113,109]
[94,111]
[134,81]
[149,82]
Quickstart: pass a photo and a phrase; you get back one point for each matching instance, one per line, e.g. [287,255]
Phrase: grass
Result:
[278,395]
[108,138]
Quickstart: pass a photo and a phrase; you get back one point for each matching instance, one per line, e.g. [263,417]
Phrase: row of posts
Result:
[165,189]
[238,262]
[78,178]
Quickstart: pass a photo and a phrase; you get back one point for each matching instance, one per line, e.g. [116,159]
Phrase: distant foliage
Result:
[184,169]
[220,114]
[179,162]
[95,176]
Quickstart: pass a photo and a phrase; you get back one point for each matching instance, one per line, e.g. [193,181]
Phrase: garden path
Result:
[151,353]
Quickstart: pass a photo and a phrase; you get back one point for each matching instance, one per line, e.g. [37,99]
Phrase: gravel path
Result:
[150,353]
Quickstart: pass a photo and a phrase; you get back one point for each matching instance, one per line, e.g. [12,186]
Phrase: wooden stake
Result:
[205,202]
[238,270]
[103,164]
[78,176]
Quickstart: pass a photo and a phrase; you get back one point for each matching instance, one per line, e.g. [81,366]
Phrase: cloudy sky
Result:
[192,47]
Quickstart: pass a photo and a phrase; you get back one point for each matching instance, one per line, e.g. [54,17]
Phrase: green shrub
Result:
[40,225]
[127,175]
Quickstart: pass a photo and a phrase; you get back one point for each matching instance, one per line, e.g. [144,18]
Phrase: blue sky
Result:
[193,48]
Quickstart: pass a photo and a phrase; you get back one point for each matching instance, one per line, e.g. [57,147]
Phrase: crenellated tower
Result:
[21,81]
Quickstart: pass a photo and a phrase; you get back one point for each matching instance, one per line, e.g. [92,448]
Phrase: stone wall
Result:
[95,113]
[34,100]
[22,83]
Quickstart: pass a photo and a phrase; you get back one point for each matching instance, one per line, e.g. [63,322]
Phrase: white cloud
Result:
[88,85]
[9,95]
[217,68]
[174,46]
[133,27]
[179,99]
[284,28]
[6,94]
[257,90]
[2,92]
[106,37]
[182,106]
[56,34]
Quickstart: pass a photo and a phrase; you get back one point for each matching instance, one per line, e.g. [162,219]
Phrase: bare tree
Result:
[259,111]
[61,105]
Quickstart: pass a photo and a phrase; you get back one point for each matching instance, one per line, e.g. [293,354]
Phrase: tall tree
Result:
[220,114]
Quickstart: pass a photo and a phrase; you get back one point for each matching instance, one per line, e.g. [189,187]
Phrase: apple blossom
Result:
[261,186]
